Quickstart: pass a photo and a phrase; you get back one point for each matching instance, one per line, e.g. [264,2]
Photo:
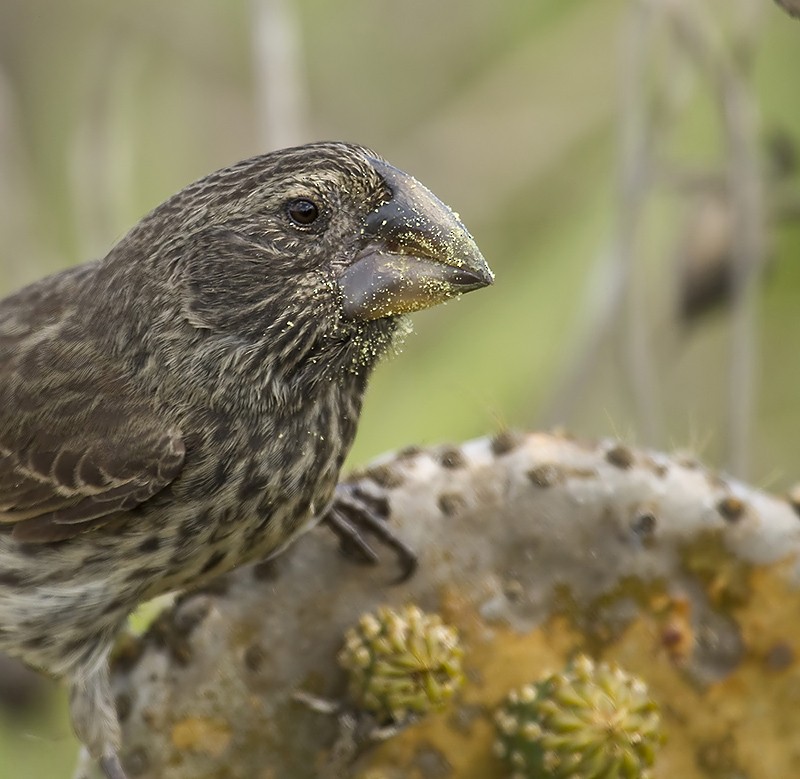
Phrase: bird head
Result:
[316,242]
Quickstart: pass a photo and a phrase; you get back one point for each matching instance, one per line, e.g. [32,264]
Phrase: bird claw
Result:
[111,767]
[350,515]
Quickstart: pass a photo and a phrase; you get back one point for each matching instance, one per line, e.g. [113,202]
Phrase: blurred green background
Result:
[522,115]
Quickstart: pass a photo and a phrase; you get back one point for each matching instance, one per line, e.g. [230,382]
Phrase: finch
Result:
[184,405]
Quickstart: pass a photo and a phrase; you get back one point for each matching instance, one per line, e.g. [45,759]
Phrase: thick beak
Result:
[416,254]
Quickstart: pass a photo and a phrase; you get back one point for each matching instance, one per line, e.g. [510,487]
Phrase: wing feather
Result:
[61,503]
[78,444]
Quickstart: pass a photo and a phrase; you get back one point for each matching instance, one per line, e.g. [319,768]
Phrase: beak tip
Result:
[479,269]
[485,279]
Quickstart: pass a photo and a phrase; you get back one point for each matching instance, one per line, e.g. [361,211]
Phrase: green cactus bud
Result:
[592,721]
[401,663]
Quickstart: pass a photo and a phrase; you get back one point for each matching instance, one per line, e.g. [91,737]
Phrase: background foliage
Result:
[513,114]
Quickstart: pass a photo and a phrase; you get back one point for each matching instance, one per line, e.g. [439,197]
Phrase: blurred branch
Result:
[728,71]
[603,298]
[23,248]
[792,7]
[90,160]
[280,88]
[730,198]
[103,173]
[636,171]
[616,290]
[788,209]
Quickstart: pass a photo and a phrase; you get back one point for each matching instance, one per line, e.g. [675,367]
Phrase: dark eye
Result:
[302,211]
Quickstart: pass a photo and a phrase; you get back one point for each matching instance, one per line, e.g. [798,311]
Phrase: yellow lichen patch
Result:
[726,577]
[770,616]
[202,734]
[762,700]
[591,619]
[467,750]
[744,724]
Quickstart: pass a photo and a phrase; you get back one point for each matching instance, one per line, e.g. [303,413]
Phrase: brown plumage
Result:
[185,404]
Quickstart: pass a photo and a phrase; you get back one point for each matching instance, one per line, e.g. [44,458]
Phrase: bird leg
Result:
[111,767]
[94,718]
[352,514]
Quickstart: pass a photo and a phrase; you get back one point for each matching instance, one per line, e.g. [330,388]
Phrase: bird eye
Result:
[302,211]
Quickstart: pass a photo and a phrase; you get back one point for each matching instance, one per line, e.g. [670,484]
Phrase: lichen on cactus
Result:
[591,721]
[401,663]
